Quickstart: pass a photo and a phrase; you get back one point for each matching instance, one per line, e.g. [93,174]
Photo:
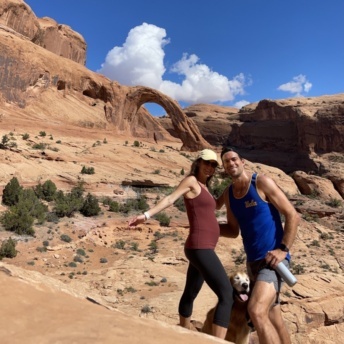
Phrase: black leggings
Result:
[205,265]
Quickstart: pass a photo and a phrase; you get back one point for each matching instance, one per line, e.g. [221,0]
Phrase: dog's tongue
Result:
[244,297]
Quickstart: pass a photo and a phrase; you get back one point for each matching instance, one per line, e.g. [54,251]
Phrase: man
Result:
[254,204]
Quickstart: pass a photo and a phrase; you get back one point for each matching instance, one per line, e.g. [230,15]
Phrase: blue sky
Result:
[226,52]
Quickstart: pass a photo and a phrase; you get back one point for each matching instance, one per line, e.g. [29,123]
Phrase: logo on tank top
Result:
[249,204]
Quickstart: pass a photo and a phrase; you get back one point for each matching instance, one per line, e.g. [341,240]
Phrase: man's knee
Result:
[257,312]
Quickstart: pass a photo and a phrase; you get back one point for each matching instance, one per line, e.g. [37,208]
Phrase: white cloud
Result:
[299,85]
[140,61]
[241,103]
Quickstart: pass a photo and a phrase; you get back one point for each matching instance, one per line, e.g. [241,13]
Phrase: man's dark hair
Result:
[227,149]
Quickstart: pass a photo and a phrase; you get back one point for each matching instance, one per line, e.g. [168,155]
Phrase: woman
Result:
[204,264]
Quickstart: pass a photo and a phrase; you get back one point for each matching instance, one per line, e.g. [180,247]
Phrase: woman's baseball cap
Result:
[208,154]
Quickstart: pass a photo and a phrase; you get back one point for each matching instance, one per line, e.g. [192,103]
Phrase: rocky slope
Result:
[133,280]
[87,120]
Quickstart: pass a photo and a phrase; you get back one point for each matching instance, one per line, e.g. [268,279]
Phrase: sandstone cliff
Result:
[30,75]
[287,133]
[45,32]
[90,120]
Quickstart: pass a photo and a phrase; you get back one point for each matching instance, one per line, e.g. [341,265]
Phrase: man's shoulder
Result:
[263,178]
[265,183]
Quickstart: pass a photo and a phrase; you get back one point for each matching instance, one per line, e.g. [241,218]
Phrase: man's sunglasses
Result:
[213,164]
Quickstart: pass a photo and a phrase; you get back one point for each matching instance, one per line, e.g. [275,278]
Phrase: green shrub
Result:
[11,192]
[146,309]
[315,243]
[313,194]
[153,246]
[158,235]
[139,204]
[298,269]
[40,146]
[52,217]
[90,206]
[130,290]
[134,246]
[217,188]
[46,191]
[163,218]
[120,244]
[67,205]
[78,259]
[18,220]
[26,136]
[334,203]
[65,238]
[326,236]
[107,201]
[29,200]
[81,252]
[87,170]
[4,142]
[41,249]
[179,204]
[78,190]
[114,206]
[152,283]
[8,249]
[310,217]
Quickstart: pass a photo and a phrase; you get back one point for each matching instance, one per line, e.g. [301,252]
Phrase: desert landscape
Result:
[92,279]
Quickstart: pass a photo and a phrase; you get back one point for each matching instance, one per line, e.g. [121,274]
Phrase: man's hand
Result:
[274,257]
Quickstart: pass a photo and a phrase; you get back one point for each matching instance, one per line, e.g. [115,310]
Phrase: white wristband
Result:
[146,214]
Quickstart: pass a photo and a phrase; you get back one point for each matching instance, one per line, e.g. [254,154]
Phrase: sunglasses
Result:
[213,164]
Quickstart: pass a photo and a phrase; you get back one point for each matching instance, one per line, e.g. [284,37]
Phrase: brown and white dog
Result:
[238,329]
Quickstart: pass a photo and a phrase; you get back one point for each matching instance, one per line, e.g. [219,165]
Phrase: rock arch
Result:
[187,130]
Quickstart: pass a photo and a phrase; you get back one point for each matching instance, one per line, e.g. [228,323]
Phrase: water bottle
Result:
[285,273]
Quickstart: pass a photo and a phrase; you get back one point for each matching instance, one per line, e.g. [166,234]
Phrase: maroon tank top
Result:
[204,228]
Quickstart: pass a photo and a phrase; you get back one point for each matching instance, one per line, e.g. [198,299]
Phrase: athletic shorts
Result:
[260,271]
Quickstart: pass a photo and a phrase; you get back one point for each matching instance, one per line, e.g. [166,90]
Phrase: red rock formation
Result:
[315,186]
[289,133]
[18,16]
[26,77]
[213,121]
[186,129]
[46,32]
[61,40]
[305,124]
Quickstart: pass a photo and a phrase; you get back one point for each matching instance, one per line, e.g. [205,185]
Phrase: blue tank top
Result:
[260,222]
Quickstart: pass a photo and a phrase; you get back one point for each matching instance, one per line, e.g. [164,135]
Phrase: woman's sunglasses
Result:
[213,164]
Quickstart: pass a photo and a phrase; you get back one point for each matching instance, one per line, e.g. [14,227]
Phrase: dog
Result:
[238,329]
